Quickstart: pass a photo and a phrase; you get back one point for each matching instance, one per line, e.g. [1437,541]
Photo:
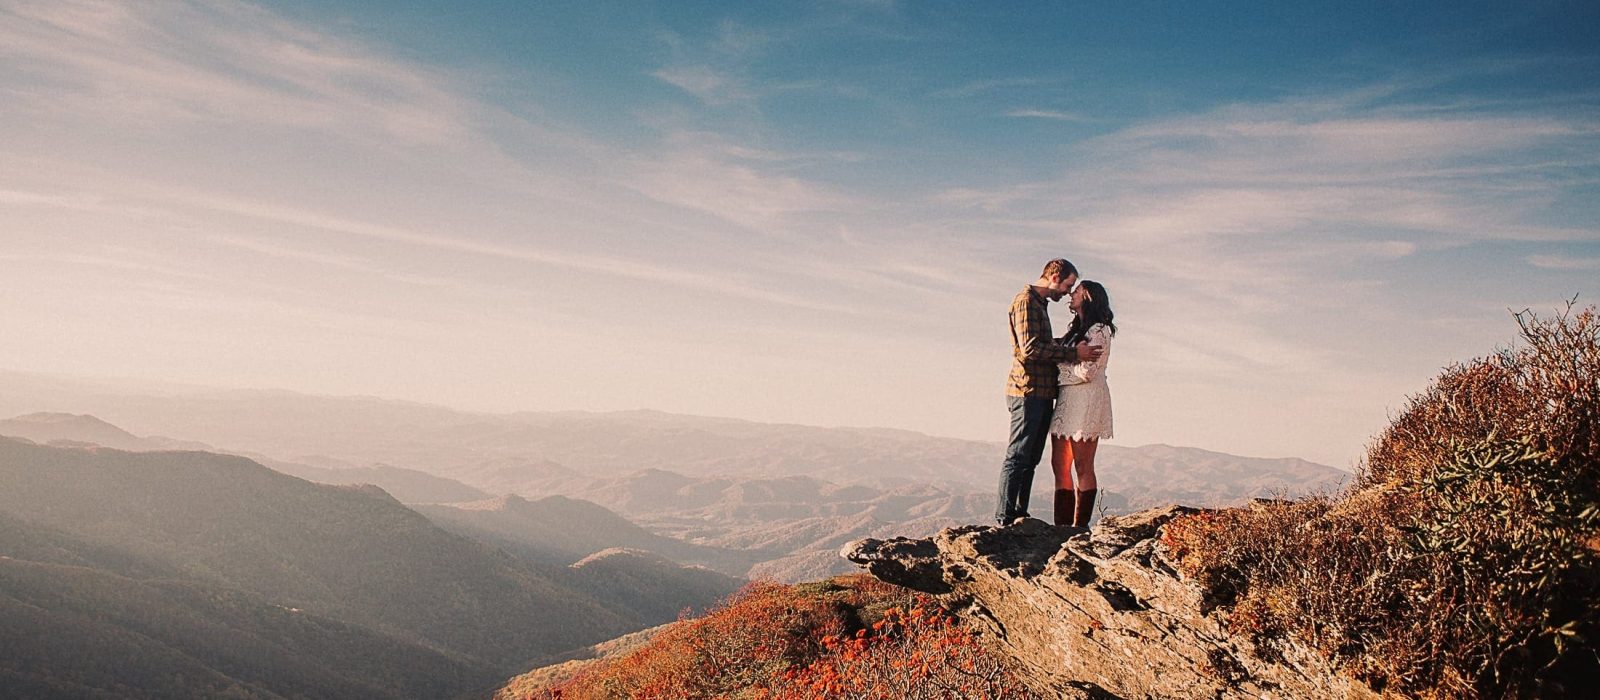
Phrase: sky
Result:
[812,213]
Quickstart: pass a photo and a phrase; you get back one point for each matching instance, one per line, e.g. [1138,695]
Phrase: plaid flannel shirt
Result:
[1035,354]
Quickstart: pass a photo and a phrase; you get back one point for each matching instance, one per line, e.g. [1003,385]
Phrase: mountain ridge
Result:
[742,503]
[205,546]
[259,421]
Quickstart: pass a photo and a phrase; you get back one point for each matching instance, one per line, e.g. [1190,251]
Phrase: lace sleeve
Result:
[1085,372]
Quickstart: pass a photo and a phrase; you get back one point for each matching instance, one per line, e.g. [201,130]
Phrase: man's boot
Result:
[1065,502]
[1083,510]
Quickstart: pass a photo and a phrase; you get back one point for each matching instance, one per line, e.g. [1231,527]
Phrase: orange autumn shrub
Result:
[916,654]
[851,636]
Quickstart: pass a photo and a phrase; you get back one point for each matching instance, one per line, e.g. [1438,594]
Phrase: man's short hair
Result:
[1059,268]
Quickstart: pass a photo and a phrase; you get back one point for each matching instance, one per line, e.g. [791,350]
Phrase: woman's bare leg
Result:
[1082,459]
[1061,466]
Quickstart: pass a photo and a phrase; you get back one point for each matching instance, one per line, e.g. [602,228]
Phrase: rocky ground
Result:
[1098,615]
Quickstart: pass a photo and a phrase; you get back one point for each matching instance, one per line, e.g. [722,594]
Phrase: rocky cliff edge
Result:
[1098,615]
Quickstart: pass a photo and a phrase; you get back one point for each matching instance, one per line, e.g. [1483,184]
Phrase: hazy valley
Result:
[441,552]
[745,498]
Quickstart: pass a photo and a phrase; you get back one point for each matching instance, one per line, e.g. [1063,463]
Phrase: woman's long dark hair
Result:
[1096,310]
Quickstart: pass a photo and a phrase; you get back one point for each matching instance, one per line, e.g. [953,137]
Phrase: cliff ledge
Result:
[1099,615]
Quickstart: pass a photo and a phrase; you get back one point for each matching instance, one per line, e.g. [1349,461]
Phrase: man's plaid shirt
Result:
[1035,354]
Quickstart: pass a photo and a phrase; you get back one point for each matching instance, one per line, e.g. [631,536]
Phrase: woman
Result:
[1083,408]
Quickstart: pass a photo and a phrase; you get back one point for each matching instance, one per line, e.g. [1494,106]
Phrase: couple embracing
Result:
[1057,389]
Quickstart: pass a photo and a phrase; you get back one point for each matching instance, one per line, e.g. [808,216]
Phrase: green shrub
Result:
[1510,528]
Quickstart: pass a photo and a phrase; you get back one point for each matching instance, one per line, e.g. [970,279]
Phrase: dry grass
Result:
[1463,563]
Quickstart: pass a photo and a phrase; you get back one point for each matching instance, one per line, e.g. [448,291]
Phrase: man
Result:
[1033,384]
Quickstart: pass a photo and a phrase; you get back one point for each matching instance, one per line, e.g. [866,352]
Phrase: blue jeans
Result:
[1030,425]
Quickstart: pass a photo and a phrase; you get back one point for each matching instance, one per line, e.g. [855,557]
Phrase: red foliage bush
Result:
[851,636]
[916,654]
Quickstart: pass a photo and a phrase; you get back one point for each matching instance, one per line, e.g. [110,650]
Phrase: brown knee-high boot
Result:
[1083,510]
[1065,504]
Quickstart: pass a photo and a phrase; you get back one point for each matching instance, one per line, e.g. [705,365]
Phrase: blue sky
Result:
[810,212]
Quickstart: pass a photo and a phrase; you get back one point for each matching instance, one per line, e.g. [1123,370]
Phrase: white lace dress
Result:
[1083,409]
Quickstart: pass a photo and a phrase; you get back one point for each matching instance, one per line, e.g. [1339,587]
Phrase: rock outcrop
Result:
[1103,612]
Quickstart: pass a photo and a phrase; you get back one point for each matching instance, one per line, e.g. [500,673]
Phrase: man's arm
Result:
[1028,324]
[1091,368]
[1084,351]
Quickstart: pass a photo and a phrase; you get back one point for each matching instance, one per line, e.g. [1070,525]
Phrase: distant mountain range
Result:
[564,530]
[46,428]
[216,574]
[531,453]
[728,515]
[794,525]
[757,499]
[406,485]
[442,551]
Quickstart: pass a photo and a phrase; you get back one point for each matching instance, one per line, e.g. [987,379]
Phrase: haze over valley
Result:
[743,498]
[442,551]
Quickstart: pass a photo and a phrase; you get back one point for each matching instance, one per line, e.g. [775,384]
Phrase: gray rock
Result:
[1098,615]
[904,562]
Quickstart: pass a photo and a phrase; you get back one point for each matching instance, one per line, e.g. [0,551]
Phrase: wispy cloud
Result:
[1223,220]
[106,262]
[1564,262]
[1054,115]
[738,184]
[343,263]
[597,265]
[978,87]
[715,70]
[164,67]
[139,63]
[711,85]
